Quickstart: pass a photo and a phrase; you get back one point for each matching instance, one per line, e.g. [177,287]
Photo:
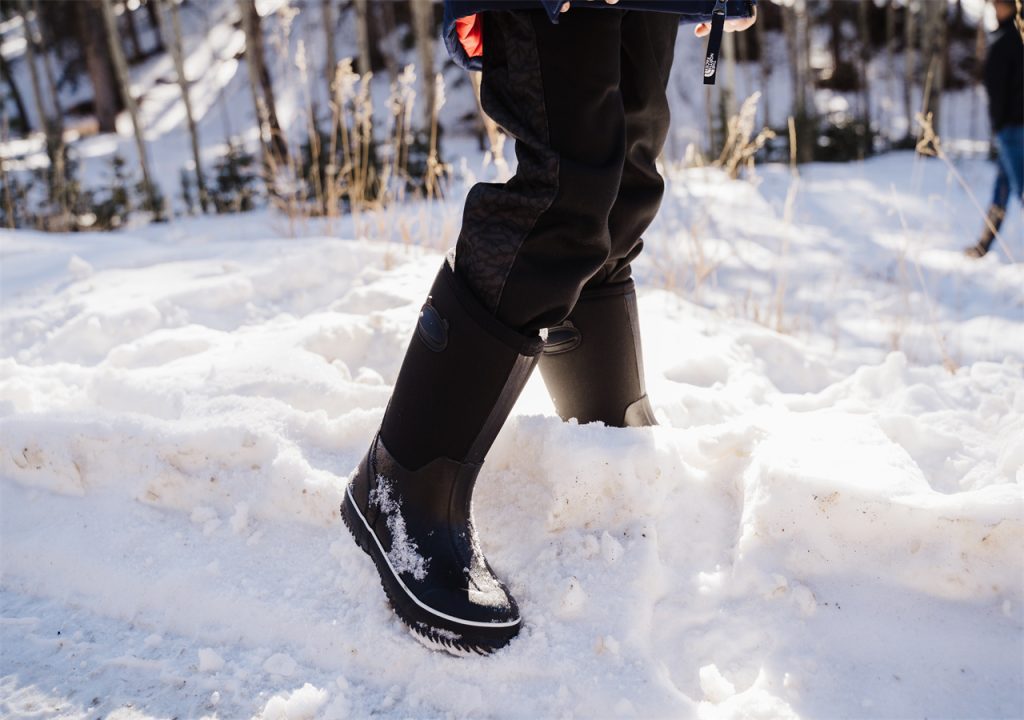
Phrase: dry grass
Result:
[740,147]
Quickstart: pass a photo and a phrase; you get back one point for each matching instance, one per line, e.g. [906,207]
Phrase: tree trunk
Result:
[423,32]
[57,189]
[257,101]
[795,24]
[729,89]
[362,37]
[890,60]
[133,34]
[259,75]
[909,64]
[935,28]
[766,72]
[980,48]
[121,68]
[154,22]
[327,17]
[173,42]
[106,100]
[45,121]
[865,81]
[19,102]
[835,22]
[45,41]
[384,16]
[33,68]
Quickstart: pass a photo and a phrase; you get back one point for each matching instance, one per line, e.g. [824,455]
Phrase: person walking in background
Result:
[1004,82]
[996,211]
[581,86]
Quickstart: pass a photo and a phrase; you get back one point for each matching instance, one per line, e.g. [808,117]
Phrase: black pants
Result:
[585,102]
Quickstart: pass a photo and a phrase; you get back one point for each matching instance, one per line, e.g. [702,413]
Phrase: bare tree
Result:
[173,41]
[423,32]
[384,23]
[121,69]
[52,126]
[362,37]
[46,119]
[259,79]
[890,54]
[935,49]
[154,22]
[766,70]
[133,33]
[43,41]
[909,62]
[980,48]
[19,102]
[796,27]
[327,17]
[863,9]
[107,101]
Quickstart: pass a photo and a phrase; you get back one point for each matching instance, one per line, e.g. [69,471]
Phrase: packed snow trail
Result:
[819,526]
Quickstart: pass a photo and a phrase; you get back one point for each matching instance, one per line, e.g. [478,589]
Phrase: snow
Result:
[404,556]
[829,519]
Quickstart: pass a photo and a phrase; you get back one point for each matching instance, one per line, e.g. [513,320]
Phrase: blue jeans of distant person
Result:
[1001,190]
[1010,143]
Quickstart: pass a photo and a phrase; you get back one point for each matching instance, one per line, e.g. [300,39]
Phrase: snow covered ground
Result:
[828,523]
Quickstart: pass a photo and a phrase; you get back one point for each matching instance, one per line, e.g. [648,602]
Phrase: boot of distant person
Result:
[1004,83]
[993,221]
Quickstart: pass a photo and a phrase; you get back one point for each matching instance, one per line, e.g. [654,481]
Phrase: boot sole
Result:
[432,628]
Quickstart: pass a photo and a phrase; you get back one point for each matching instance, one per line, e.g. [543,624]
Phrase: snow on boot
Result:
[994,220]
[409,502]
[592,363]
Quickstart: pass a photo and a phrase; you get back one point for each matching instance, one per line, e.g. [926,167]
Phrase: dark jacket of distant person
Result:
[1004,77]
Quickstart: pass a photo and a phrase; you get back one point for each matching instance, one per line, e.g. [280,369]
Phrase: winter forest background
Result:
[218,222]
[326,107]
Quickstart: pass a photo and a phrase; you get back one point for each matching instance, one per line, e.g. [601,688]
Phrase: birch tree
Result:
[173,42]
[423,32]
[51,126]
[909,63]
[259,81]
[121,70]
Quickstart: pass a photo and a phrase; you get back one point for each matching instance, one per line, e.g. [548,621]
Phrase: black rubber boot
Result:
[592,363]
[408,504]
[994,220]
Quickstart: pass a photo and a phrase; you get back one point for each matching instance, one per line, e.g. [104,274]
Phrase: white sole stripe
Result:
[438,613]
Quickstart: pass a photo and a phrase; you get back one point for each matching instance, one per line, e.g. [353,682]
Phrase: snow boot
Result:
[592,363]
[988,234]
[408,504]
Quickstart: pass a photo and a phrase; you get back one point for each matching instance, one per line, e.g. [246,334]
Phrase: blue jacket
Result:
[689,11]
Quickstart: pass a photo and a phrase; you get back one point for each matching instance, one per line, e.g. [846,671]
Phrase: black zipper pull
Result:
[714,42]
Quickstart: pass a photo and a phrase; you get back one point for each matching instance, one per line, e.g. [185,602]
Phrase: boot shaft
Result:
[592,363]
[461,376]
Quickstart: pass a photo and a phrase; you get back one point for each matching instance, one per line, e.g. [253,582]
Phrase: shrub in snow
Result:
[234,182]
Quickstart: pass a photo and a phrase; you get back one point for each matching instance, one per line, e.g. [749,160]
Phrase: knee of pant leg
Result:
[586,195]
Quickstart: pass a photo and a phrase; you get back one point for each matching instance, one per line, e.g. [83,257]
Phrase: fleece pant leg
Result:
[529,245]
[648,47]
